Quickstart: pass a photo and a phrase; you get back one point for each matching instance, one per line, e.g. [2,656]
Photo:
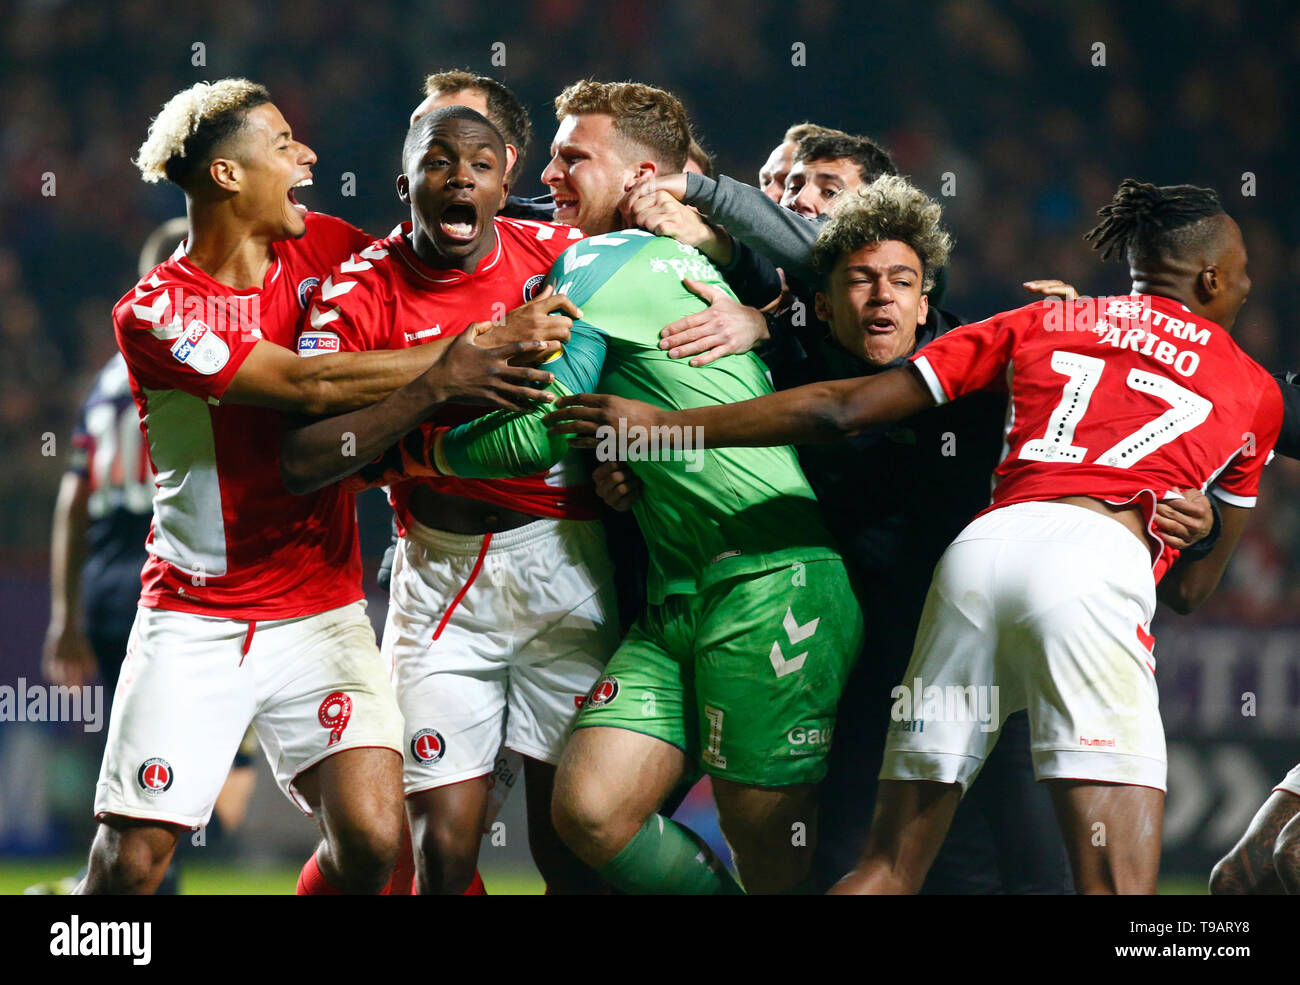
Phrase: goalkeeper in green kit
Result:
[736,665]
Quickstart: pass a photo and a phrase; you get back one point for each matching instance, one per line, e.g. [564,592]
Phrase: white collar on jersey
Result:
[419,267]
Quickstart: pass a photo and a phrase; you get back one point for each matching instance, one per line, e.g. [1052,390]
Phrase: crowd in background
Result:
[1009,112]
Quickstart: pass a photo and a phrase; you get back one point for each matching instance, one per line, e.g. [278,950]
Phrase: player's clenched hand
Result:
[725,327]
[649,186]
[470,373]
[583,415]
[617,485]
[1182,522]
[546,318]
[663,215]
[67,658]
[1052,289]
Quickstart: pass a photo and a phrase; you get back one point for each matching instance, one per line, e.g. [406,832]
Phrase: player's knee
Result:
[560,868]
[591,825]
[365,851]
[447,857]
[126,861]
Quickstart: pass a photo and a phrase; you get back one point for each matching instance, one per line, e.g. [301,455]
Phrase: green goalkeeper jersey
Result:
[706,514]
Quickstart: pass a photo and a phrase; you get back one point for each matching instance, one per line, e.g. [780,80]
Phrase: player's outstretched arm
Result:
[1190,582]
[276,377]
[782,236]
[818,412]
[314,454]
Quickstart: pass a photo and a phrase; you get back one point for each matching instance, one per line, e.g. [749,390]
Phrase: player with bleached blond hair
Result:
[251,608]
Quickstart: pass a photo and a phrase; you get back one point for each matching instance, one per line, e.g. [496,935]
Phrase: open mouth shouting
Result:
[459,223]
[293,199]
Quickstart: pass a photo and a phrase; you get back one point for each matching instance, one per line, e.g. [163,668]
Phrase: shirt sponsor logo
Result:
[201,349]
[317,343]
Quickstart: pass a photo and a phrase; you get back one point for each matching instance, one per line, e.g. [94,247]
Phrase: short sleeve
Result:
[1238,484]
[169,349]
[968,359]
[343,313]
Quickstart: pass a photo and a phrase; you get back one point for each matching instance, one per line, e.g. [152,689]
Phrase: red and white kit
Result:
[251,604]
[497,638]
[1126,400]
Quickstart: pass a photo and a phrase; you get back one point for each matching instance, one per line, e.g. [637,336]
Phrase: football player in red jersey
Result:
[1045,600]
[502,613]
[251,608]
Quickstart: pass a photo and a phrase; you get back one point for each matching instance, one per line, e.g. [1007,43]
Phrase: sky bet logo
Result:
[316,343]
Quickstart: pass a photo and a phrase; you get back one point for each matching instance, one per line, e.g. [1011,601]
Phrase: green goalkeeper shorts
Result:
[745,676]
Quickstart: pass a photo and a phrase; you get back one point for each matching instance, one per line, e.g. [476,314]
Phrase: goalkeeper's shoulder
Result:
[586,265]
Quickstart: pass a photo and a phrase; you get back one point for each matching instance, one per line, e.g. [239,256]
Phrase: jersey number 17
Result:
[1187,410]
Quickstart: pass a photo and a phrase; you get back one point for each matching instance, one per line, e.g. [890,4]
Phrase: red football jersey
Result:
[1123,399]
[227,538]
[385,297]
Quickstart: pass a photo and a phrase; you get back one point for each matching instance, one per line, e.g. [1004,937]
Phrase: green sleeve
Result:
[514,443]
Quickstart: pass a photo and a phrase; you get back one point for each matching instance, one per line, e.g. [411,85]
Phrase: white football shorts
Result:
[496,640]
[1044,606]
[190,685]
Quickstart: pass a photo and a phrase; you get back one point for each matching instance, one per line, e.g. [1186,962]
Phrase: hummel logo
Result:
[424,333]
[797,634]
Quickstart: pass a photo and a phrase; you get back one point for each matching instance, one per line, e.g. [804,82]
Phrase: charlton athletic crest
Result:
[531,285]
[154,776]
[604,693]
[427,745]
[305,287]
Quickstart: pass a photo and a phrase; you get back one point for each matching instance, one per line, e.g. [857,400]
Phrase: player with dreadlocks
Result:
[1045,600]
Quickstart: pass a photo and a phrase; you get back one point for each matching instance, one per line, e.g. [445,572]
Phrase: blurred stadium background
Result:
[1004,96]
